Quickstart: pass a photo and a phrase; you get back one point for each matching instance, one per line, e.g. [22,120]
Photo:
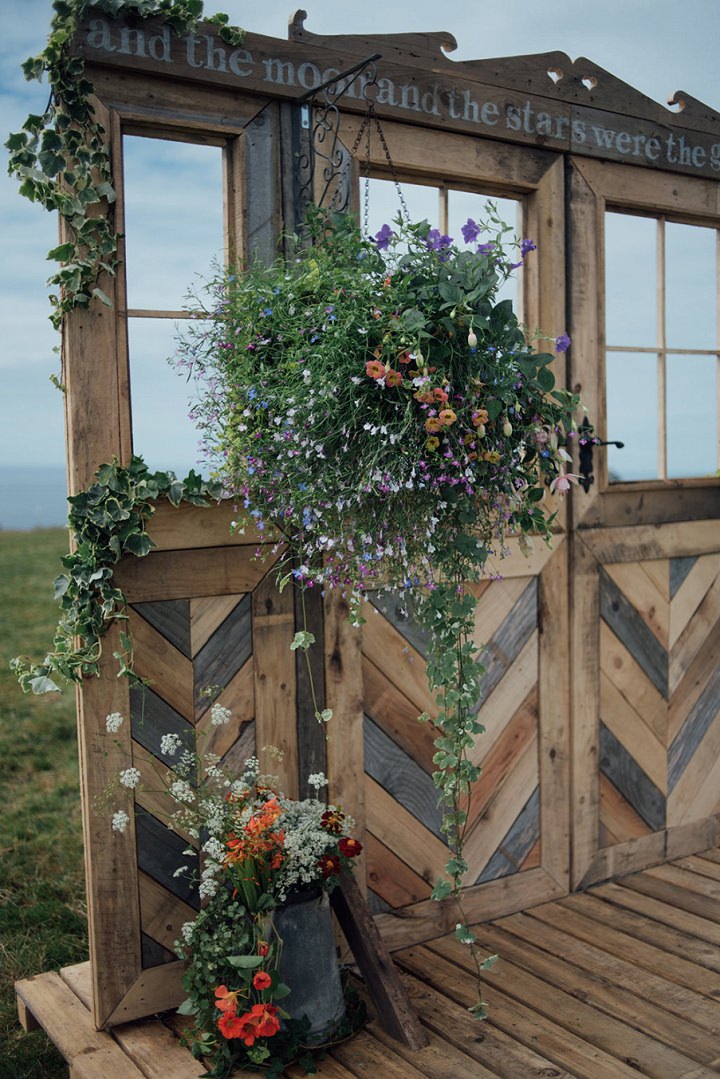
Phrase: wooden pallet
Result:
[618,982]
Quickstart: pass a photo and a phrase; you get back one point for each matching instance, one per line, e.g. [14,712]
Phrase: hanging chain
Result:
[365,128]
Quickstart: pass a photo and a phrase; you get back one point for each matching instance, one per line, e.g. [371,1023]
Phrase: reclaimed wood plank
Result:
[525,974]
[706,867]
[88,1052]
[387,705]
[686,878]
[617,816]
[170,617]
[633,633]
[310,689]
[687,742]
[386,990]
[162,914]
[398,661]
[652,541]
[401,777]
[377,1058]
[344,695]
[157,989]
[521,838]
[690,580]
[509,697]
[703,624]
[644,597]
[522,1021]
[399,830]
[629,778]
[487,1044]
[160,853]
[391,878]
[631,731]
[152,717]
[437,1060]
[638,942]
[497,764]
[274,676]
[167,670]
[658,900]
[619,665]
[239,697]
[156,1051]
[692,685]
[669,1013]
[183,574]
[206,614]
[695,783]
[224,653]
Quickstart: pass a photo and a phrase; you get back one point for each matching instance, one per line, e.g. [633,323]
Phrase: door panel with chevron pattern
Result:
[511,814]
[657,676]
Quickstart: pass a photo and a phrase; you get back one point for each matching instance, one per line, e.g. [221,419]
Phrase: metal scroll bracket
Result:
[587,443]
[322,162]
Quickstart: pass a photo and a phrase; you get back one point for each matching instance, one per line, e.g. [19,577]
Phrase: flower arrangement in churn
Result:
[253,852]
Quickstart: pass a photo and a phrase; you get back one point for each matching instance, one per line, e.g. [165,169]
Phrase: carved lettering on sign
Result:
[573,127]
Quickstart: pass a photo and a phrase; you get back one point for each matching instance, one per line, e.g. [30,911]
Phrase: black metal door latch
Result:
[587,442]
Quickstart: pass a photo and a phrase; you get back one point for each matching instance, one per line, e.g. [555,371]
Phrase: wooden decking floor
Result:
[618,982]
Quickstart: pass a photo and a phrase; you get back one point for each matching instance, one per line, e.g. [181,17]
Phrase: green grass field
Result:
[42,892]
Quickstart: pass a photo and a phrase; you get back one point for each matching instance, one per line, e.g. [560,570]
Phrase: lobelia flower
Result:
[562,343]
[470,230]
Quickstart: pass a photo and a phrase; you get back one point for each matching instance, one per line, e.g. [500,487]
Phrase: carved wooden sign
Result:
[544,100]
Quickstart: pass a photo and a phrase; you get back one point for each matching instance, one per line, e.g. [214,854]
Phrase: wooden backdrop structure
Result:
[601,693]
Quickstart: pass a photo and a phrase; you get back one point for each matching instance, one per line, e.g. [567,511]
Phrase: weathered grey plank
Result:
[500,652]
[636,787]
[629,628]
[397,611]
[521,837]
[262,188]
[401,777]
[152,717]
[243,748]
[171,617]
[679,569]
[310,675]
[224,653]
[694,729]
[160,854]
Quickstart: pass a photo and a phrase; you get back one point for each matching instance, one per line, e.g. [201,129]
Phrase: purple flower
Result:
[470,230]
[436,242]
[383,237]
[562,343]
[485,249]
[526,247]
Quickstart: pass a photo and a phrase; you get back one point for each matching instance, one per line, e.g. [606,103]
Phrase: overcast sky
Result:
[658,46]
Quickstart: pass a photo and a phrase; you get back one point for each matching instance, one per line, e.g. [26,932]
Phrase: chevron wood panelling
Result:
[406,850]
[192,652]
[659,734]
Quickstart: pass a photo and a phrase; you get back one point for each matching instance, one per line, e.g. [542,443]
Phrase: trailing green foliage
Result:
[61,157]
[108,520]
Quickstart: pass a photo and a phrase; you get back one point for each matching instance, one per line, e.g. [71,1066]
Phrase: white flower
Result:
[181,791]
[170,744]
[214,849]
[186,931]
[208,888]
[130,777]
[113,722]
[219,715]
[120,821]
[317,780]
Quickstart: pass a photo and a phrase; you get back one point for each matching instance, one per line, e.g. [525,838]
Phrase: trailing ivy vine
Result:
[61,158]
[108,520]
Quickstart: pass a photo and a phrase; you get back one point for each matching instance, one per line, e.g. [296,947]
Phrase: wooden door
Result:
[518,842]
[645,552]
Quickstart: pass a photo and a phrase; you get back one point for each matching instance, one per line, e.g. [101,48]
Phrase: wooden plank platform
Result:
[618,982]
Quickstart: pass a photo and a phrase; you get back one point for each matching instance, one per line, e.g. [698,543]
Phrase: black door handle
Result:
[587,443]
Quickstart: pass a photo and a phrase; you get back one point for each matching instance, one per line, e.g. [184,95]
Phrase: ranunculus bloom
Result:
[447,416]
[350,847]
[374,369]
[262,980]
[393,377]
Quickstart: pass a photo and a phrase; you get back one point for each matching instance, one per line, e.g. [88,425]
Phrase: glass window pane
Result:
[162,431]
[384,203]
[173,218]
[630,280]
[465,204]
[691,283]
[632,416]
[692,415]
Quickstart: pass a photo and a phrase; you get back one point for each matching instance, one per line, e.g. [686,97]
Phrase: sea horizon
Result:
[32,496]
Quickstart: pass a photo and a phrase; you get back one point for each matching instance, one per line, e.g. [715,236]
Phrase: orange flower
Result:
[433,442]
[374,369]
[393,378]
[479,417]
[263,947]
[447,416]
[424,396]
[439,395]
[260,1022]
[230,1026]
[433,424]
[376,312]
[225,999]
[404,357]
[262,980]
